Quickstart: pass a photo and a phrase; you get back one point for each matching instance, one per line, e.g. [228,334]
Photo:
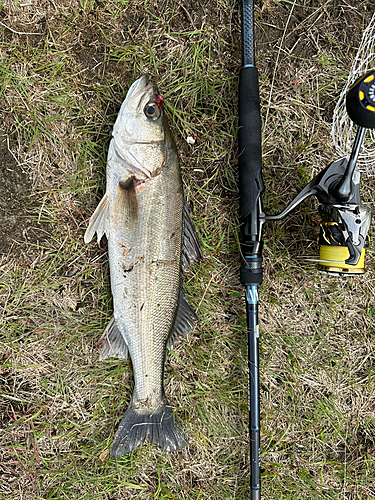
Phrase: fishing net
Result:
[343,129]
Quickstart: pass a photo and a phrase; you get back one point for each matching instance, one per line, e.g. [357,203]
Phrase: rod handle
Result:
[250,146]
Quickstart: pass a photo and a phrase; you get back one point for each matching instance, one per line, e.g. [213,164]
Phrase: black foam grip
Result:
[249,143]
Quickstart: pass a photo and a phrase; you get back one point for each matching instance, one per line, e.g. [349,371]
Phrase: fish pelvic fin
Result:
[99,221]
[112,343]
[191,250]
[184,322]
[159,426]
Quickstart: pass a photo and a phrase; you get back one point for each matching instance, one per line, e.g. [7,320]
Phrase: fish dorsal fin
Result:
[184,321]
[191,250]
[99,221]
[112,343]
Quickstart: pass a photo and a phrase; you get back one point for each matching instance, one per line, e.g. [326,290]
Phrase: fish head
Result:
[140,129]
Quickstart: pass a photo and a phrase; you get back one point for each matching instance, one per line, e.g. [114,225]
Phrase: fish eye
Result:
[152,111]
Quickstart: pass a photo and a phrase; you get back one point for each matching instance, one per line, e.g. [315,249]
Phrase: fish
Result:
[151,242]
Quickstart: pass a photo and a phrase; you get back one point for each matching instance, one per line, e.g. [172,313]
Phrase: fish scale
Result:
[151,241]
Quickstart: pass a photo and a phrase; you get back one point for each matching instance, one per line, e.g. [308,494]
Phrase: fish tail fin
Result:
[159,426]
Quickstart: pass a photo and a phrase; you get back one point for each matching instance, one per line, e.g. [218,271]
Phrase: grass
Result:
[64,72]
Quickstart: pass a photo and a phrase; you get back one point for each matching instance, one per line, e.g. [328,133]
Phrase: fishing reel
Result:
[345,220]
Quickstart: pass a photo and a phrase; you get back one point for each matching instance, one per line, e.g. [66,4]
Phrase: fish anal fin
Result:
[185,320]
[99,221]
[191,251]
[112,343]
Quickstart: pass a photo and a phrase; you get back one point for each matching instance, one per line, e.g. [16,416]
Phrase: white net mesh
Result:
[343,129]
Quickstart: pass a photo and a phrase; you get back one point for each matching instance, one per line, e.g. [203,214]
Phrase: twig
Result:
[18,32]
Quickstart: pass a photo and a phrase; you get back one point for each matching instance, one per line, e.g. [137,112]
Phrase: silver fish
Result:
[151,241]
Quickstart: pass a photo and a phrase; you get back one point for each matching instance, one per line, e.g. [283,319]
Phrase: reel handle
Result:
[360,101]
[360,105]
[343,190]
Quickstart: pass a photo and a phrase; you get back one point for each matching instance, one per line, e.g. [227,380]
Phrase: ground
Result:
[65,69]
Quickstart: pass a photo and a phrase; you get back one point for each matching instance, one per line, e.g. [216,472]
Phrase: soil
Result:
[15,197]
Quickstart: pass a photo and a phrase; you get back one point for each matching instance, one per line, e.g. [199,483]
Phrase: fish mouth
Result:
[138,89]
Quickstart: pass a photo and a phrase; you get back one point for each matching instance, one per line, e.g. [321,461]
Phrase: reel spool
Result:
[343,236]
[334,252]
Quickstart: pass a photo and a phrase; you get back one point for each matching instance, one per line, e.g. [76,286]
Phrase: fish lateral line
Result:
[131,143]
[167,262]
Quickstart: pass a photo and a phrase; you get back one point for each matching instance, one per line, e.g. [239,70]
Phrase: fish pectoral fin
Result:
[184,322]
[126,201]
[128,184]
[99,221]
[191,250]
[112,343]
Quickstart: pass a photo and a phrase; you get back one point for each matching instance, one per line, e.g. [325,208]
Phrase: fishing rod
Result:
[251,188]
[345,220]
